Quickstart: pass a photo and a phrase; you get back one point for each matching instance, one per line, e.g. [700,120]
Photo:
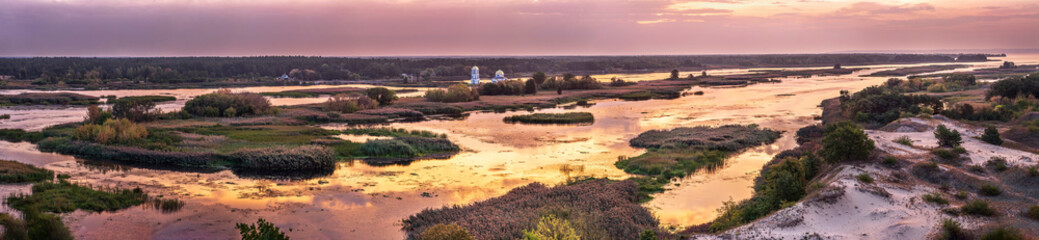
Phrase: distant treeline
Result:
[85,71]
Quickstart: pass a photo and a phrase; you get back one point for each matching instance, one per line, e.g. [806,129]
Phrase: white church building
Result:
[475,76]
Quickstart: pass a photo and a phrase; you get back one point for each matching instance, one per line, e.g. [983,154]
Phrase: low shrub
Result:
[1033,171]
[1003,233]
[1033,212]
[552,227]
[552,118]
[946,137]
[262,230]
[951,230]
[904,140]
[935,198]
[889,161]
[387,148]
[979,208]
[945,154]
[997,163]
[308,157]
[990,190]
[864,178]
[991,136]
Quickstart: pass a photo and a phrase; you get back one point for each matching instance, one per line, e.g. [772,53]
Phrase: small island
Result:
[552,118]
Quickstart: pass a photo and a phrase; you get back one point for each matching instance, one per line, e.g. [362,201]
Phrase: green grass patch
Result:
[935,198]
[149,98]
[978,208]
[864,178]
[16,172]
[552,118]
[990,190]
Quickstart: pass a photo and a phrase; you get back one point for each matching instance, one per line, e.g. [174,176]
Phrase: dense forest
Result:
[95,71]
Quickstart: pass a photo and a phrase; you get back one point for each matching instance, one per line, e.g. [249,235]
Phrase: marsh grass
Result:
[392,132]
[552,118]
[167,205]
[63,196]
[16,172]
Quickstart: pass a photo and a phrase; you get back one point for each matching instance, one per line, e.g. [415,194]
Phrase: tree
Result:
[383,95]
[134,109]
[539,78]
[552,227]
[531,87]
[991,136]
[262,230]
[837,66]
[845,141]
[674,74]
[946,137]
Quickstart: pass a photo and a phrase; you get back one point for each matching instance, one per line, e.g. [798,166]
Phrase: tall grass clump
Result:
[1003,233]
[307,157]
[113,131]
[552,118]
[904,140]
[990,190]
[407,147]
[935,198]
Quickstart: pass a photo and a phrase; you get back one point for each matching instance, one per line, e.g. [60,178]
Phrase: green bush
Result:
[951,230]
[890,161]
[382,95]
[991,136]
[1003,233]
[1033,212]
[845,141]
[946,137]
[979,208]
[446,232]
[262,230]
[997,163]
[935,198]
[945,153]
[990,190]
[864,178]
[904,140]
[780,184]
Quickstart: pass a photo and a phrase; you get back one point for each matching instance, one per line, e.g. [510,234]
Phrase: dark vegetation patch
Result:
[552,118]
[315,92]
[57,98]
[16,172]
[595,209]
[224,103]
[308,157]
[901,72]
[392,132]
[725,138]
[406,147]
[149,98]
[62,197]
[882,104]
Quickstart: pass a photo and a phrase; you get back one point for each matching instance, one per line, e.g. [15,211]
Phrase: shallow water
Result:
[359,201]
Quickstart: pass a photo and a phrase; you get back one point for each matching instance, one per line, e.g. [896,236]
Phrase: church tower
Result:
[475,80]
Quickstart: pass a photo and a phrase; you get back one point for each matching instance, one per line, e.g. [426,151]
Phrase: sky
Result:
[507,27]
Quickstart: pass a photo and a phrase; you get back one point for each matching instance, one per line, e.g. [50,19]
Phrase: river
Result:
[359,201]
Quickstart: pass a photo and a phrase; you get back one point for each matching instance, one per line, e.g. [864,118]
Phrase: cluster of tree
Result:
[112,131]
[880,104]
[570,81]
[455,93]
[507,87]
[968,112]
[93,71]
[347,104]
[1011,88]
[224,103]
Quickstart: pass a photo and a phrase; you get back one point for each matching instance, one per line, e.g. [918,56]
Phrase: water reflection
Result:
[364,201]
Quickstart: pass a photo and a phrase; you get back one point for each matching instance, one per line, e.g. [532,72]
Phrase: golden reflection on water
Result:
[496,157]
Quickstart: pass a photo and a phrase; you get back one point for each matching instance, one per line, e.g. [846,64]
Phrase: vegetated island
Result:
[679,152]
[906,71]
[47,98]
[552,118]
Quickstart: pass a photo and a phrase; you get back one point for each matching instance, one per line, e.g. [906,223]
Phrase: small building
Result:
[499,76]
[475,79]
[284,77]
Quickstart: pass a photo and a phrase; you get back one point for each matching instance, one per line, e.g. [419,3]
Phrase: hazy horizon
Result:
[507,27]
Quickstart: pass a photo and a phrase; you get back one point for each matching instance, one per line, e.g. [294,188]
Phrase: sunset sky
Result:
[506,27]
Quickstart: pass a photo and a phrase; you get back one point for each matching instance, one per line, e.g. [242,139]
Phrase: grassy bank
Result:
[552,118]
[16,172]
[57,98]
